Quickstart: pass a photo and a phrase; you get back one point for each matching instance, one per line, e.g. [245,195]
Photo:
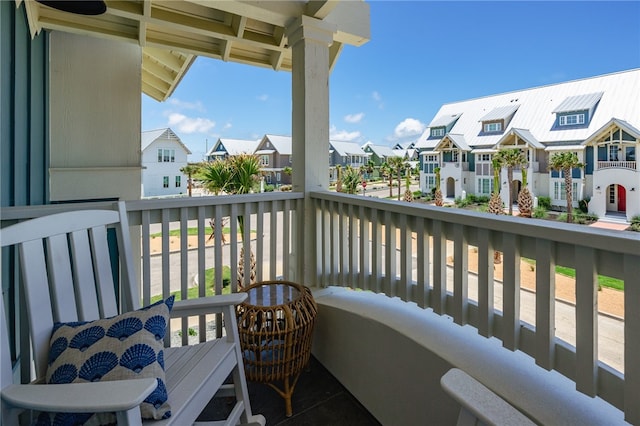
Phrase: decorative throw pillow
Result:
[127,346]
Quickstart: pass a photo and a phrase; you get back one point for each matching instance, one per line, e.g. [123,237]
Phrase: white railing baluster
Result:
[353,248]
[586,321]
[405,259]
[166,278]
[460,275]
[390,255]
[202,282]
[184,269]
[233,246]
[485,284]
[422,260]
[260,242]
[286,240]
[364,273]
[273,236]
[335,246]
[631,270]
[511,291]
[376,252]
[439,268]
[146,258]
[545,303]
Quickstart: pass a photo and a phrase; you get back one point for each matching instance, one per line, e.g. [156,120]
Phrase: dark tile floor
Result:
[318,400]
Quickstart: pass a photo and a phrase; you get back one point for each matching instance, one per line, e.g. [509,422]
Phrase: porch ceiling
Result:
[173,33]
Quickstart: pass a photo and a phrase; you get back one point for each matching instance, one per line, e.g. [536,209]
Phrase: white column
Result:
[309,39]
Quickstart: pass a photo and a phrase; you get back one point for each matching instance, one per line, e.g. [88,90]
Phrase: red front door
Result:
[622,199]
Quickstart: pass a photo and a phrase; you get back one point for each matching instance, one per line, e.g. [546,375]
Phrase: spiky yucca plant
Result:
[525,200]
[408,195]
[438,194]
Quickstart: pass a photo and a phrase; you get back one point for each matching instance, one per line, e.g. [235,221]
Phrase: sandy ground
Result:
[610,301]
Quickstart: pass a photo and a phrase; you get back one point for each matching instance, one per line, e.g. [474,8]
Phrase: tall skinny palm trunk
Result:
[568,185]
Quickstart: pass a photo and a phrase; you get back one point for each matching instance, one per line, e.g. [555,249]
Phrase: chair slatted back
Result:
[65,263]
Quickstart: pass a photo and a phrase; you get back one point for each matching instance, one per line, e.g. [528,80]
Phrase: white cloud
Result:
[263,97]
[343,135]
[188,125]
[354,118]
[377,98]
[186,105]
[409,127]
[227,126]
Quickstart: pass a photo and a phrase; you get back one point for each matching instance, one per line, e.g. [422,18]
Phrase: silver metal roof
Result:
[579,102]
[444,120]
[501,113]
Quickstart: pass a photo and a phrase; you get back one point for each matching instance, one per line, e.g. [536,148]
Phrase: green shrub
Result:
[584,205]
[269,188]
[635,223]
[544,202]
[540,213]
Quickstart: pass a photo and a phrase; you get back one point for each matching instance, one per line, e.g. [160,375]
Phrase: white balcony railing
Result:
[411,251]
[631,165]
[402,250]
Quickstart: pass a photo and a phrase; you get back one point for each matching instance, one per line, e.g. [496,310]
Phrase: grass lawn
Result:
[190,231]
[602,280]
[193,292]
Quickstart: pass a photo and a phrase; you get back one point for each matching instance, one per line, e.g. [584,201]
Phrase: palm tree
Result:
[237,174]
[387,173]
[438,193]
[397,165]
[190,169]
[511,158]
[369,168]
[525,200]
[408,195]
[339,178]
[495,202]
[565,162]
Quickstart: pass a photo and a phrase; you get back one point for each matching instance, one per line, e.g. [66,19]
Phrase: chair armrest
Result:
[206,305]
[480,401]
[108,396]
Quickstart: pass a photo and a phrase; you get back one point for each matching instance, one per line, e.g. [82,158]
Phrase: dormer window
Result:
[571,119]
[437,132]
[492,127]
[576,111]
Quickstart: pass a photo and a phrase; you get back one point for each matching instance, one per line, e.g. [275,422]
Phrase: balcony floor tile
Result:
[318,400]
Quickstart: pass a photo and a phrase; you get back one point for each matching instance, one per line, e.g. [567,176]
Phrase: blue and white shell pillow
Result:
[127,346]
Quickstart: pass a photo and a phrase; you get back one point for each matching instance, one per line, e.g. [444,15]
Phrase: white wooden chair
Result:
[67,276]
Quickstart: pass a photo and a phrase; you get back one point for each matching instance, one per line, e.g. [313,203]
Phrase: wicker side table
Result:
[276,326]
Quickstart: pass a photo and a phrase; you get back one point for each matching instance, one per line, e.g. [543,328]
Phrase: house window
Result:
[571,119]
[268,178]
[264,160]
[612,194]
[166,155]
[278,177]
[437,132]
[455,156]
[485,185]
[559,192]
[178,181]
[165,181]
[430,182]
[613,152]
[492,127]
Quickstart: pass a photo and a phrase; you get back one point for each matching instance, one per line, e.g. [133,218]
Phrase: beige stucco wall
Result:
[95,118]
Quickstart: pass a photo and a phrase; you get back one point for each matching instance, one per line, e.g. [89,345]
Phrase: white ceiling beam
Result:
[320,9]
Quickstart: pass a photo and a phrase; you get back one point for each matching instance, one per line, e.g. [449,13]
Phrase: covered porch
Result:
[397,305]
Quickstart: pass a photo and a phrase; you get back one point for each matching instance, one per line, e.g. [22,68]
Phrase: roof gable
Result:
[347,148]
[579,103]
[234,146]
[282,144]
[150,136]
[613,124]
[456,140]
[521,134]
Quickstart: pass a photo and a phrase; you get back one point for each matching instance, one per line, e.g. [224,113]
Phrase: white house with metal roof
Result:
[597,118]
[163,155]
[225,147]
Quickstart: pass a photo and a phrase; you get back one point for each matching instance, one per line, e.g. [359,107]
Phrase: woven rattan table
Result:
[276,326]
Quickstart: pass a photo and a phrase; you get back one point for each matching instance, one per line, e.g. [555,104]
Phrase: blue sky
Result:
[422,54]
